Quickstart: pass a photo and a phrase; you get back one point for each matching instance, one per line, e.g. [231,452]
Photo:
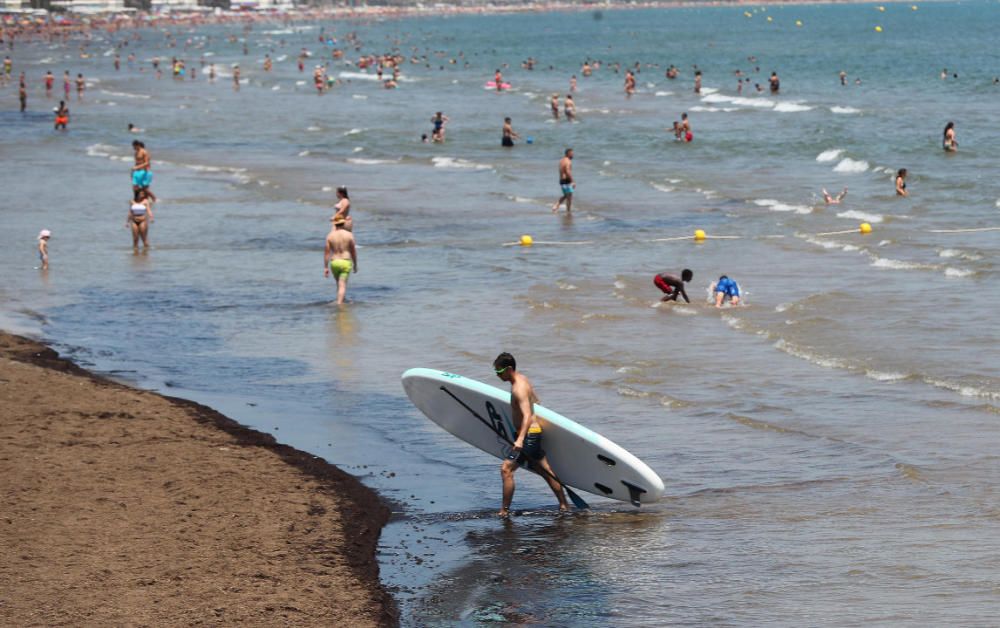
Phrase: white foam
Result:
[791,107]
[358,75]
[829,155]
[949,253]
[125,94]
[523,199]
[662,188]
[851,165]
[709,90]
[778,206]
[276,88]
[826,244]
[458,164]
[313,128]
[885,376]
[327,188]
[357,149]
[844,110]
[359,97]
[895,264]
[792,350]
[958,272]
[762,103]
[304,153]
[859,215]
[370,162]
[664,94]
[101,150]
[998,202]
[965,391]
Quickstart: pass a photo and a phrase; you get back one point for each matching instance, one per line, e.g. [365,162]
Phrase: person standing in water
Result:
[140,214]
[554,105]
[340,257]
[142,176]
[527,446]
[62,116]
[775,83]
[948,140]
[569,107]
[566,182]
[508,134]
[901,183]
[43,248]
[342,210]
[672,285]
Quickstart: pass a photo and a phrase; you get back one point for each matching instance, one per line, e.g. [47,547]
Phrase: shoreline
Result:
[171,509]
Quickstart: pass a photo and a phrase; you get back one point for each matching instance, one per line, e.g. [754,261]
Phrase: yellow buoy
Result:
[798,22]
[881,8]
[746,13]
[770,19]
[699,235]
[865,228]
[914,7]
[526,240]
[878,29]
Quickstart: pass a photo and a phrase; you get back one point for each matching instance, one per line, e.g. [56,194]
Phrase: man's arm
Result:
[354,255]
[683,293]
[326,259]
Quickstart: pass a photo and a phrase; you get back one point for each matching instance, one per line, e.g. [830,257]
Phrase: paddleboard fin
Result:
[634,492]
[602,488]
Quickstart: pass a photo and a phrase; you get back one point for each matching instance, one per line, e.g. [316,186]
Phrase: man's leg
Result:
[507,469]
[554,484]
[341,288]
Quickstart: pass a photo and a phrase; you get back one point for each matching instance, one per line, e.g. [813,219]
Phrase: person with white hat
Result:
[43,247]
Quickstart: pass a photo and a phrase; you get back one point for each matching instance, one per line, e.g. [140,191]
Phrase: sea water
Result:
[829,450]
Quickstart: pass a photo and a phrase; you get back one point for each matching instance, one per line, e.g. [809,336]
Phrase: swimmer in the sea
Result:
[554,105]
[672,285]
[834,200]
[901,183]
[726,288]
[948,140]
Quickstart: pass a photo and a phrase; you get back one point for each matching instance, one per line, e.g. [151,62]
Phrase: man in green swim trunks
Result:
[340,256]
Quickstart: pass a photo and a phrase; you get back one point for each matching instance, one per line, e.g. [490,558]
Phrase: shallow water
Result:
[829,449]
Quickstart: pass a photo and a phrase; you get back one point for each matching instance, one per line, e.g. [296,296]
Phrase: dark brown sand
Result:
[124,507]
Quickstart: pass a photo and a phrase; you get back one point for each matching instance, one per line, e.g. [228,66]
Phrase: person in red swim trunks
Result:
[672,286]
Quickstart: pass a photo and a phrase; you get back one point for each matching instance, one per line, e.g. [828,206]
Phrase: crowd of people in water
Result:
[340,253]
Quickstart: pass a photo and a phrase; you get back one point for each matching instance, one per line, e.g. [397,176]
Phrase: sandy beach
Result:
[124,507]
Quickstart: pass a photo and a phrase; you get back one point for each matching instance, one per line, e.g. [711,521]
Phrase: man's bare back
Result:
[340,243]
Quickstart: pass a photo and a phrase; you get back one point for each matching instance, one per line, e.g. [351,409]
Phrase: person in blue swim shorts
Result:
[142,176]
[726,288]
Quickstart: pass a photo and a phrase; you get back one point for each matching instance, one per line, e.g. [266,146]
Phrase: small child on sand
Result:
[43,247]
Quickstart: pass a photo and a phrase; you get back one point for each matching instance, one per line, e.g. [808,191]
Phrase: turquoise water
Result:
[829,449]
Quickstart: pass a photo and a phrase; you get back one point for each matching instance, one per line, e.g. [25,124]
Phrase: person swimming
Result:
[834,200]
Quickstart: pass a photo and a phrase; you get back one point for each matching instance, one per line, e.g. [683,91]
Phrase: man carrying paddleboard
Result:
[528,444]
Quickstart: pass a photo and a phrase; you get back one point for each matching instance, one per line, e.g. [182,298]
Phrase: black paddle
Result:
[576,499]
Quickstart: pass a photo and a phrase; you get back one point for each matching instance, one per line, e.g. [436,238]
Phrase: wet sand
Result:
[124,507]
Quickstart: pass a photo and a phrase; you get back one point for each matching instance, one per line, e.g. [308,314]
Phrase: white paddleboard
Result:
[580,458]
